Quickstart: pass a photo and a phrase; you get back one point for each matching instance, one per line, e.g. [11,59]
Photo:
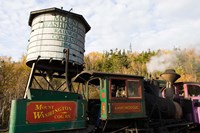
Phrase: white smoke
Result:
[162,61]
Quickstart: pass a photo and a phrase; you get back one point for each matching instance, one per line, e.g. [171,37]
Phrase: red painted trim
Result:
[42,112]
[123,108]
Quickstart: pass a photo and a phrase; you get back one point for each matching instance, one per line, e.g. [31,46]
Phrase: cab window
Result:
[133,88]
[125,88]
[180,90]
[193,90]
[118,89]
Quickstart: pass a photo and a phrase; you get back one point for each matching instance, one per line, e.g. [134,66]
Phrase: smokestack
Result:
[170,76]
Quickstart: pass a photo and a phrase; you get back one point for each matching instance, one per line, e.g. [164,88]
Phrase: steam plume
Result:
[162,61]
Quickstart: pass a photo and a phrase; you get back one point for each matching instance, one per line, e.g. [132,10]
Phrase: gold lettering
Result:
[41,107]
[51,111]
[68,116]
[126,107]
[38,107]
[38,115]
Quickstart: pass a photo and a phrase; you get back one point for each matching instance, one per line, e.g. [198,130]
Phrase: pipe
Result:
[66,51]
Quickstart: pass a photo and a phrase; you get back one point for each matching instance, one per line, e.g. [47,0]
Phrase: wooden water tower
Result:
[56,46]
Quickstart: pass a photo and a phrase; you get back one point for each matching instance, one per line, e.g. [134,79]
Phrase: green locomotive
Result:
[45,110]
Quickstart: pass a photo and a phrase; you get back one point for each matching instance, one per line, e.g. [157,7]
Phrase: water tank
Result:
[53,30]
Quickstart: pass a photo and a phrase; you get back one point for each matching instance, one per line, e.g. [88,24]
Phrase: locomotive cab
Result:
[189,94]
[112,99]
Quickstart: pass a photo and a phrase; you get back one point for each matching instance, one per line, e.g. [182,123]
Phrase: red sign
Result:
[40,112]
[126,108]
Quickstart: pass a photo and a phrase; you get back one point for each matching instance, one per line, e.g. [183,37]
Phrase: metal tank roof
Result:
[80,18]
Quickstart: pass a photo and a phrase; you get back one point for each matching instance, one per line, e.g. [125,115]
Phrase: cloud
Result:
[114,24]
[13,26]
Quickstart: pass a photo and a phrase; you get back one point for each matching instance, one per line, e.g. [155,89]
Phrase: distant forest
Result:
[186,62]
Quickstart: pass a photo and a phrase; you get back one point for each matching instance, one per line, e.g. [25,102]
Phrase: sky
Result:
[141,24]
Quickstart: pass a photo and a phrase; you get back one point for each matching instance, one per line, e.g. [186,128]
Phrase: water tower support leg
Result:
[30,80]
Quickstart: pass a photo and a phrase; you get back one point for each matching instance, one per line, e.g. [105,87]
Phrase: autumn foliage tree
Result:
[188,65]
[13,79]
[93,61]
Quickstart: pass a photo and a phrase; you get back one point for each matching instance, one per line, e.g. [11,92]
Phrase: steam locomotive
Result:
[125,103]
[91,101]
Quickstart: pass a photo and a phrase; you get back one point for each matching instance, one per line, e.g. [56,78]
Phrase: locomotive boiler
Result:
[165,106]
[60,97]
